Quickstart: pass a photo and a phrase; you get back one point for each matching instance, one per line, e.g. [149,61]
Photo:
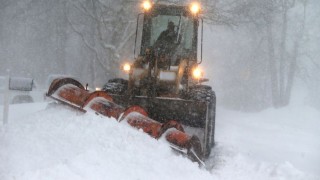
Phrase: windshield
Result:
[182,39]
[183,29]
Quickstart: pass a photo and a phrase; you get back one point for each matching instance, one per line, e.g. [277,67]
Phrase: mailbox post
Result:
[6,95]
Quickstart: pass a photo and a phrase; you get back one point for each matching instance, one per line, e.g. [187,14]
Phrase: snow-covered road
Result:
[59,143]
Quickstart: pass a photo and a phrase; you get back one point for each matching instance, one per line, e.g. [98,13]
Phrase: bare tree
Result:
[271,18]
[110,27]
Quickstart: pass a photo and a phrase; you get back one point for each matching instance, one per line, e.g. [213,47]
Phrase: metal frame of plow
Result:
[71,92]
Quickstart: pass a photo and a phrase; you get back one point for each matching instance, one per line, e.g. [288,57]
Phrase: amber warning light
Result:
[126,67]
[197,73]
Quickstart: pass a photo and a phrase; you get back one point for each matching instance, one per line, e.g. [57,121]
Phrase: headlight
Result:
[98,89]
[146,5]
[195,8]
[126,67]
[197,73]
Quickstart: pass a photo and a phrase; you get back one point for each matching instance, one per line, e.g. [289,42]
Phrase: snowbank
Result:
[290,133]
[59,143]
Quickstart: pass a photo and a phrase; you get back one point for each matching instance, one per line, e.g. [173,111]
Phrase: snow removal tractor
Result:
[163,95]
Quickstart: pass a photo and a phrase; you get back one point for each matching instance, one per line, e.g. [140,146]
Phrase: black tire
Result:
[118,80]
[201,93]
[206,94]
[116,86]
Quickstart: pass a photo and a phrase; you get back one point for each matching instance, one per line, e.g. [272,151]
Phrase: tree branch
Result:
[86,42]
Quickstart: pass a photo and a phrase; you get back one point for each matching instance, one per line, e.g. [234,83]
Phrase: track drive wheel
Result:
[205,93]
[116,86]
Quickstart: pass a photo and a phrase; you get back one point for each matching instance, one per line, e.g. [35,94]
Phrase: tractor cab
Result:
[168,51]
[170,33]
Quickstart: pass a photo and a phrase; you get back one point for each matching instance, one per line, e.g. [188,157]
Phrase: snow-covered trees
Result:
[83,38]
[105,28]
[275,31]
[258,47]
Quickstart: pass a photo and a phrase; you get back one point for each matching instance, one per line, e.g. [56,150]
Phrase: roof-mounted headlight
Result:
[195,8]
[146,5]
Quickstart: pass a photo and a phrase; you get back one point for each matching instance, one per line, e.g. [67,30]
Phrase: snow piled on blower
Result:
[60,143]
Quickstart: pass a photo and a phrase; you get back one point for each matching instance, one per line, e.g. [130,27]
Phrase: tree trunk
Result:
[293,63]
[272,65]
[282,51]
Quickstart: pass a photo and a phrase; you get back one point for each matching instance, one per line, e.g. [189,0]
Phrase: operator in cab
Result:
[165,45]
[163,49]
[167,37]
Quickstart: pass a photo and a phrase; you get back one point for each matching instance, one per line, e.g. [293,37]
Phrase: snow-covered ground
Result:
[59,143]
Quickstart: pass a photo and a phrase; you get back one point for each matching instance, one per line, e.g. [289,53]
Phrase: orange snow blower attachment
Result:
[70,92]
